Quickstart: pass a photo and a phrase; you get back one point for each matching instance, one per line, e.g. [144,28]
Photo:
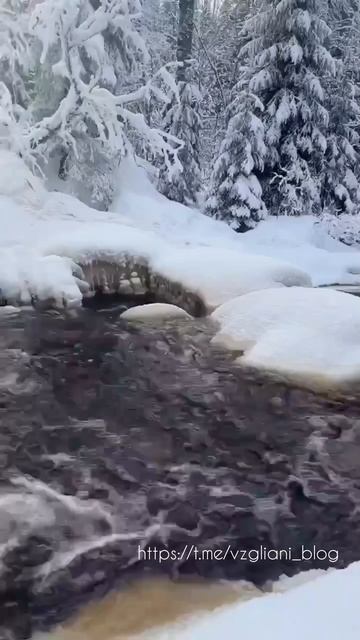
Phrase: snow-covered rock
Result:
[26,276]
[221,274]
[154,311]
[311,333]
[9,310]
[326,607]
[107,242]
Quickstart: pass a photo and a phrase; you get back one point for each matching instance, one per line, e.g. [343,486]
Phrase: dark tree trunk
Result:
[185,36]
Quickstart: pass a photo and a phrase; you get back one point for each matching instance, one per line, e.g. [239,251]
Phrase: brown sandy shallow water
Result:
[148,604]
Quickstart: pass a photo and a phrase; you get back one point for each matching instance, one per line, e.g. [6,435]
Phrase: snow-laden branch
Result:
[92,114]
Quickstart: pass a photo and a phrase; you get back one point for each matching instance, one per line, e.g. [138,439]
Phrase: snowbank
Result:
[306,243]
[139,201]
[107,242]
[345,228]
[27,277]
[179,243]
[221,274]
[297,240]
[323,608]
[114,247]
[154,311]
[17,181]
[299,331]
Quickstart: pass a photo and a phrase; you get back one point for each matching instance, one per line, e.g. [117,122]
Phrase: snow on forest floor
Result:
[44,234]
[298,241]
[325,606]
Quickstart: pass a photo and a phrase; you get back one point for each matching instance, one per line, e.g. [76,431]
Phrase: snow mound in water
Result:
[326,607]
[154,311]
[221,274]
[301,331]
[26,277]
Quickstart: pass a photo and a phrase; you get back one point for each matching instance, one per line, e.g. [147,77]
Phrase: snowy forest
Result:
[244,108]
[179,319]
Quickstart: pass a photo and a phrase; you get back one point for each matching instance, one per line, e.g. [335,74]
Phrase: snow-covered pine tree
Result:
[235,193]
[341,180]
[15,56]
[216,46]
[283,64]
[182,118]
[90,51]
[291,61]
[14,48]
[341,187]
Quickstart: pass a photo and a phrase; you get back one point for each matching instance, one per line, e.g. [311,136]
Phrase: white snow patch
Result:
[325,607]
[106,242]
[221,274]
[301,241]
[139,201]
[154,311]
[345,228]
[17,181]
[9,310]
[300,331]
[26,276]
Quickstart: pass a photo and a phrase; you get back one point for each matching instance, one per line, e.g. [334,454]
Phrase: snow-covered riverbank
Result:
[42,232]
[48,236]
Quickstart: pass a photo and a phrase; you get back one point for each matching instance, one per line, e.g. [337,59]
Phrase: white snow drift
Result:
[177,242]
[323,608]
[26,276]
[221,274]
[17,181]
[44,234]
[302,331]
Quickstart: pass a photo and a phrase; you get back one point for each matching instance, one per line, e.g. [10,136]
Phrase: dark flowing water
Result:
[116,435]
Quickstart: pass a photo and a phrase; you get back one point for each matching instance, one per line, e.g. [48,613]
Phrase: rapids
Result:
[116,436]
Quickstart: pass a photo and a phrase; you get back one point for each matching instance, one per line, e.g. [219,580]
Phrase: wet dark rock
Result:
[183,515]
[31,552]
[116,438]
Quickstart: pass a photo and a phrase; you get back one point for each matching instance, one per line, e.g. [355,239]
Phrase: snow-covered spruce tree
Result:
[341,187]
[14,48]
[235,192]
[216,46]
[15,61]
[341,179]
[182,118]
[292,62]
[92,49]
[283,65]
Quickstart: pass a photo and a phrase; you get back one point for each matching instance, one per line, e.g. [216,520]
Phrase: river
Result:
[116,436]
